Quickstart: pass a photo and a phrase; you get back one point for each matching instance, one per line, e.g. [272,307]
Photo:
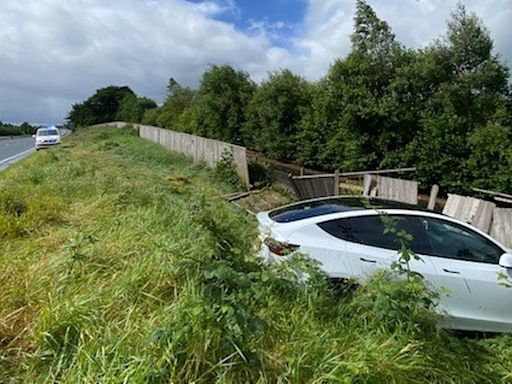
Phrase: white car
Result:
[348,239]
[47,137]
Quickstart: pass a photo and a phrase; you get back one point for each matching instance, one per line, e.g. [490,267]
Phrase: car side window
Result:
[454,241]
[370,230]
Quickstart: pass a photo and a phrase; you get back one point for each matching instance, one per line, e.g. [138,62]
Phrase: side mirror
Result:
[34,136]
[506,260]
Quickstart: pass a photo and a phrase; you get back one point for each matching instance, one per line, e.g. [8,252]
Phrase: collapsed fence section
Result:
[369,184]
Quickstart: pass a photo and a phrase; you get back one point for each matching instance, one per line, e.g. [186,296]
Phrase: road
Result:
[12,150]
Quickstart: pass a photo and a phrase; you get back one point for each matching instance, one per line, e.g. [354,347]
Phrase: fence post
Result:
[337,182]
[367,184]
[433,195]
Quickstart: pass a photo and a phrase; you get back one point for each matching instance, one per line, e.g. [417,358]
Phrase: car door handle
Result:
[367,260]
[451,271]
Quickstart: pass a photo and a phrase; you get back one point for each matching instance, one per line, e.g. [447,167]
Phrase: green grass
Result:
[122,263]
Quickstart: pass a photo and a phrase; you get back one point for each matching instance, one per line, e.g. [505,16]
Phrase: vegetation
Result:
[126,266]
[446,108]
[274,114]
[25,128]
[110,104]
[221,100]
[175,112]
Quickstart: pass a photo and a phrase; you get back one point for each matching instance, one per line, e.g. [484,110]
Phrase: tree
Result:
[221,100]
[172,87]
[179,100]
[132,108]
[274,113]
[26,128]
[175,113]
[490,161]
[349,114]
[372,37]
[101,107]
[150,116]
[472,88]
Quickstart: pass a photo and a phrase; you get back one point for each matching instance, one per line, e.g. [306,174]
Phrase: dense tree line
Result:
[110,104]
[445,109]
[7,129]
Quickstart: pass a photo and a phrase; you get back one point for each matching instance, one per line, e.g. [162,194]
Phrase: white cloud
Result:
[329,23]
[58,52]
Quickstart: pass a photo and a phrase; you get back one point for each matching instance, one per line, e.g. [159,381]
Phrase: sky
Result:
[54,53]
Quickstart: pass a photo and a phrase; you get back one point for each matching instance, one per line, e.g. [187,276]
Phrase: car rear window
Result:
[48,132]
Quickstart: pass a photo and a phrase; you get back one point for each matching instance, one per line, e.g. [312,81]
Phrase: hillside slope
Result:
[122,263]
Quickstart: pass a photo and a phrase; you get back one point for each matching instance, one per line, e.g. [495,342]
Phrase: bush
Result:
[225,172]
[259,173]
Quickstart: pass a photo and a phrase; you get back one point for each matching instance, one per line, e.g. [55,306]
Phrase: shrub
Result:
[225,172]
[259,173]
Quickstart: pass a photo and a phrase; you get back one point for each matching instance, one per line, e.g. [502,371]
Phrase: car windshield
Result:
[47,132]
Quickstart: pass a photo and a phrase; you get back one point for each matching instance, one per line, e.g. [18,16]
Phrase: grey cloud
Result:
[63,50]
[57,52]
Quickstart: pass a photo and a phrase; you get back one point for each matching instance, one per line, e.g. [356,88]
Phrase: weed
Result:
[225,172]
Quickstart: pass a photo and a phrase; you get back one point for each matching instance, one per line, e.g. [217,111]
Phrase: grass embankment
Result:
[121,263]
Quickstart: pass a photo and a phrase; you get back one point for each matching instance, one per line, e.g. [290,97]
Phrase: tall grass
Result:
[121,263]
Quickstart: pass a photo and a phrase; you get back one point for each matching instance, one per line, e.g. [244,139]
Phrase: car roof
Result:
[329,205]
[47,129]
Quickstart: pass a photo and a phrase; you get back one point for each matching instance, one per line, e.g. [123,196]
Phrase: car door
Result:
[369,247]
[327,248]
[466,263]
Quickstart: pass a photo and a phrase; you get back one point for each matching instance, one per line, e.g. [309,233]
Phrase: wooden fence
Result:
[311,187]
[483,215]
[320,185]
[200,149]
[405,191]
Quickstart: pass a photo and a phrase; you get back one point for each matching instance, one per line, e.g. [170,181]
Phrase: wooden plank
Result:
[492,193]
[405,191]
[312,188]
[321,175]
[239,196]
[476,212]
[367,184]
[336,183]
[483,215]
[359,173]
[501,228]
[378,172]
[433,196]
[502,199]
[452,205]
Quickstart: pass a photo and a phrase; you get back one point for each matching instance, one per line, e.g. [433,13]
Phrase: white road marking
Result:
[5,162]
